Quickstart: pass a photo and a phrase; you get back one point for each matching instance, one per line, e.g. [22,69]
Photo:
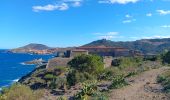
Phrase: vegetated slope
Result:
[32,46]
[142,87]
[35,46]
[152,46]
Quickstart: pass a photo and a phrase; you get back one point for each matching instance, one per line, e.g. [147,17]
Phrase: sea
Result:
[12,67]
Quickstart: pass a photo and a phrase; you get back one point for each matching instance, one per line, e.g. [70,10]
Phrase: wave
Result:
[11,82]
[26,64]
[3,87]
[15,80]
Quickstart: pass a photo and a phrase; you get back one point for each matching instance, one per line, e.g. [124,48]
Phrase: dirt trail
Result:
[142,87]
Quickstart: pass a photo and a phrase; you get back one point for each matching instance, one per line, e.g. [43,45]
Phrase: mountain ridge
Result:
[146,46]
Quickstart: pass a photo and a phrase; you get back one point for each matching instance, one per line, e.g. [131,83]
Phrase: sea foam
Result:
[15,80]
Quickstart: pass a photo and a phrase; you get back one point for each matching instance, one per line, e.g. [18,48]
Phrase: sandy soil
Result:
[142,87]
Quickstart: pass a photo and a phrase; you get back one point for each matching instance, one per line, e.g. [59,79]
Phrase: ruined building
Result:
[106,52]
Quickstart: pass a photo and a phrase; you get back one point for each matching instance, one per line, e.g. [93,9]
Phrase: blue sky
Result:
[62,23]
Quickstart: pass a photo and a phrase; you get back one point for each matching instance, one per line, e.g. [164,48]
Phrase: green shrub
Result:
[151,58]
[62,98]
[131,74]
[100,96]
[58,70]
[57,83]
[116,62]
[20,92]
[130,62]
[166,57]
[87,63]
[61,82]
[89,88]
[118,82]
[90,92]
[49,77]
[164,80]
[161,79]
[109,73]
[84,67]
[71,78]
[75,76]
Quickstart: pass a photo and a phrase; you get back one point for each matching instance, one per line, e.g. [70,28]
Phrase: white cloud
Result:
[128,21]
[60,5]
[156,37]
[128,16]
[163,12]
[165,26]
[151,37]
[149,14]
[50,7]
[76,4]
[108,36]
[118,1]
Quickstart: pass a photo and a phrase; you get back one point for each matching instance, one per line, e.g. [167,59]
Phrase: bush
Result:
[92,64]
[89,88]
[130,62]
[118,82]
[100,96]
[61,82]
[90,92]
[49,77]
[116,62]
[166,57]
[20,92]
[62,98]
[58,70]
[75,76]
[152,58]
[84,67]
[164,80]
[161,79]
[131,74]
[109,73]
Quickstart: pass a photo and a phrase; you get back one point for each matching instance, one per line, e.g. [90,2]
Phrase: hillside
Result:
[152,46]
[146,46]
[32,46]
[85,78]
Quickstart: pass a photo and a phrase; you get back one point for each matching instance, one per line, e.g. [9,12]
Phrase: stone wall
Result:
[59,61]
[107,61]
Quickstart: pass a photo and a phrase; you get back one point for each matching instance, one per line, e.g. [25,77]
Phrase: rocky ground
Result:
[142,87]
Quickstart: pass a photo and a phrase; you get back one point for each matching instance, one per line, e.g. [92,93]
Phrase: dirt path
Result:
[142,87]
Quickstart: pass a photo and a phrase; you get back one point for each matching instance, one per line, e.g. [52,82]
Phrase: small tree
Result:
[91,64]
[84,67]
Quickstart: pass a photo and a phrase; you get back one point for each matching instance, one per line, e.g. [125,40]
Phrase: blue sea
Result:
[12,69]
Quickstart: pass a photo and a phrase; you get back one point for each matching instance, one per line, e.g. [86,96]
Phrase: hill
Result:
[30,47]
[35,46]
[146,46]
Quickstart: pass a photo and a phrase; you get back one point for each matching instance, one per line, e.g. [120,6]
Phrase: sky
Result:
[63,23]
